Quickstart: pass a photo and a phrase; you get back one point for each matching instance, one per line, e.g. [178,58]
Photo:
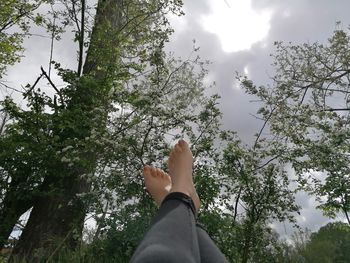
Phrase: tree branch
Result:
[53,85]
[336,109]
[81,38]
[36,82]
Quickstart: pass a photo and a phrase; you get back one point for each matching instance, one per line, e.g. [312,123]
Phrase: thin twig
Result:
[53,85]
[8,87]
[36,82]
[52,39]
[59,246]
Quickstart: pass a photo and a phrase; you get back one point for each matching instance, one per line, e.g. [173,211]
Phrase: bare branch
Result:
[53,85]
[81,38]
[337,109]
[36,82]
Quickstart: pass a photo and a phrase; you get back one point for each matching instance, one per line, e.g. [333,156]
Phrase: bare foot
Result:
[180,169]
[158,183]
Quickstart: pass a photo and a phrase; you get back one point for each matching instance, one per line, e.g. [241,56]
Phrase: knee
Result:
[153,253]
[157,253]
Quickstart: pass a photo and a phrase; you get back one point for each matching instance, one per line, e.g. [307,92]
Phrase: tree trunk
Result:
[346,215]
[55,221]
[12,209]
[246,246]
[248,235]
[57,218]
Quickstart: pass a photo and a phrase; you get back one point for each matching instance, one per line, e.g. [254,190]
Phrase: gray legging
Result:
[174,236]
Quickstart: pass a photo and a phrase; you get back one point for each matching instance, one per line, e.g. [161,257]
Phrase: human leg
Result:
[172,236]
[209,252]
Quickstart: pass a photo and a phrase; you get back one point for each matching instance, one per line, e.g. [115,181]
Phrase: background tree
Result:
[256,191]
[15,18]
[329,244]
[307,108]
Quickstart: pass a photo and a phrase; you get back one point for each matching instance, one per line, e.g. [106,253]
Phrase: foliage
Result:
[118,116]
[120,202]
[329,244]
[256,190]
[307,109]
[15,17]
[79,152]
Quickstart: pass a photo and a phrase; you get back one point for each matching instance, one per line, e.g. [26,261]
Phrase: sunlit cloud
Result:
[237,25]
[246,71]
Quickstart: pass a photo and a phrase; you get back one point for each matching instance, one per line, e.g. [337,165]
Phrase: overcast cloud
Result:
[298,21]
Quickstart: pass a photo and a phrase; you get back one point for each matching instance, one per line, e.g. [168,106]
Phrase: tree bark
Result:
[3,123]
[54,220]
[247,245]
[11,210]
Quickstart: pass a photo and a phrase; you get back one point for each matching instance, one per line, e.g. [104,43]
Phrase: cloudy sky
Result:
[238,35]
[235,35]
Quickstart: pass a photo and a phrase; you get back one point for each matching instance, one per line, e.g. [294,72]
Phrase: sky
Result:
[236,36]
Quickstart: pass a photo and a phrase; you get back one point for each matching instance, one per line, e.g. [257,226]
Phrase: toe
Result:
[171,157]
[166,175]
[153,171]
[160,173]
[177,148]
[183,144]
[146,170]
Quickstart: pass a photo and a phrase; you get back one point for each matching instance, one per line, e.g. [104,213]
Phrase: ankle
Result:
[182,189]
[185,198]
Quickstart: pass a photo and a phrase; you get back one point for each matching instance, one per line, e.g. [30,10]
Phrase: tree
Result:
[256,191]
[307,109]
[330,244]
[16,17]
[14,14]
[121,208]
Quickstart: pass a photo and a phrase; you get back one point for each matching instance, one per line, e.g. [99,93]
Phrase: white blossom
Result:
[65,160]
[67,148]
